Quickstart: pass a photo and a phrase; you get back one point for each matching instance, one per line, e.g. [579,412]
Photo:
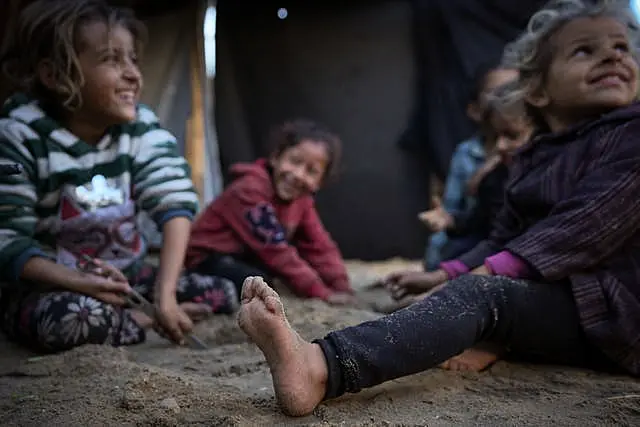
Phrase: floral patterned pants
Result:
[55,321]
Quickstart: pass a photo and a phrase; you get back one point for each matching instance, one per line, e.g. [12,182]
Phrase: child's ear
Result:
[46,75]
[537,96]
[474,111]
[49,79]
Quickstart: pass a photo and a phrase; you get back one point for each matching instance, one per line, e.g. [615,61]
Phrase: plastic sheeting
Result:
[384,74]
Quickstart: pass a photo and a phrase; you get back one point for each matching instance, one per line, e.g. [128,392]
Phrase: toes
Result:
[251,288]
[248,291]
[263,290]
[256,287]
[459,366]
[274,305]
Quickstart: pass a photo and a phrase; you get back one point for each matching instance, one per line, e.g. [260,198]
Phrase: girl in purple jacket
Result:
[558,279]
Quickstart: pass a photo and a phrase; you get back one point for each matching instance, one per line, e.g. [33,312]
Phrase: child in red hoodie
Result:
[266,219]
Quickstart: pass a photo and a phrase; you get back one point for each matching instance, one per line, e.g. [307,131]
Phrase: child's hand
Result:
[172,321]
[405,283]
[104,269]
[436,219]
[343,287]
[481,271]
[103,282]
[341,298]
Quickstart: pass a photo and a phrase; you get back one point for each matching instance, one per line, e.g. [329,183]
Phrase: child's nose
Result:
[611,53]
[502,145]
[132,72]
[299,172]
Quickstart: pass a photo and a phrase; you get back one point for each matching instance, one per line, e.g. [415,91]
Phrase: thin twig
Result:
[626,396]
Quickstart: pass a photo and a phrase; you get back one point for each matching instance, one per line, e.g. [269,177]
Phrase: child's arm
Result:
[18,220]
[454,188]
[599,218]
[316,246]
[21,256]
[487,167]
[463,222]
[175,236]
[252,217]
[489,255]
[490,198]
[502,227]
[162,187]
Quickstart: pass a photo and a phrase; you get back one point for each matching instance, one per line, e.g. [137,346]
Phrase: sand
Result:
[156,384]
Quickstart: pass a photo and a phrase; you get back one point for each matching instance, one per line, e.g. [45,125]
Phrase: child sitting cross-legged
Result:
[266,222]
[92,158]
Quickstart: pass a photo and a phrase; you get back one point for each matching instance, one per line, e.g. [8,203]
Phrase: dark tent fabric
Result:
[452,39]
[383,74]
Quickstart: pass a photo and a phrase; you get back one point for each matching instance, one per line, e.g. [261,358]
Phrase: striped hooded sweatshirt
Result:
[74,198]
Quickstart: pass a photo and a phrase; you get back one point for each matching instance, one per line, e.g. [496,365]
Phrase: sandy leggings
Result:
[535,321]
[55,321]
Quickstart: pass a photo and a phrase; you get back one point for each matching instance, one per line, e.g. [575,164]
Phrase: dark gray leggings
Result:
[535,321]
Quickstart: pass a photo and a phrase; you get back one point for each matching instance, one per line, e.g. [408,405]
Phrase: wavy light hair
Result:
[48,30]
[514,109]
[531,54]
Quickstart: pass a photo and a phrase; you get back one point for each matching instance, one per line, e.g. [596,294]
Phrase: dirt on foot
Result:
[156,384]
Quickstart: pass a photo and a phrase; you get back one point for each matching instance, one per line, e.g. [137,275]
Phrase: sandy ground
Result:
[156,384]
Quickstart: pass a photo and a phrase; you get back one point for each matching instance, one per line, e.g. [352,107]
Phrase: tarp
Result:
[452,39]
[384,74]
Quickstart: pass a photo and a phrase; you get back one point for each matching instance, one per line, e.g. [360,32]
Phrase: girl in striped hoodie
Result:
[92,159]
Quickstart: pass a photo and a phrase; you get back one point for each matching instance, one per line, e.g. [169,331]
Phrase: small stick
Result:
[143,304]
[626,396]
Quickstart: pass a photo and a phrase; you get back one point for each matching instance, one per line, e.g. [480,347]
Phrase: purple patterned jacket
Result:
[572,213]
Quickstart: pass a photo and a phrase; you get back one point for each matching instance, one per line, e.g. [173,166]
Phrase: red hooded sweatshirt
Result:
[288,237]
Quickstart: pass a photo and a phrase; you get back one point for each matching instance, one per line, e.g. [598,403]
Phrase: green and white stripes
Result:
[141,158]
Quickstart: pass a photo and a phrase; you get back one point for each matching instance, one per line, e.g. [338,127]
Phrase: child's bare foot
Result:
[298,368]
[475,359]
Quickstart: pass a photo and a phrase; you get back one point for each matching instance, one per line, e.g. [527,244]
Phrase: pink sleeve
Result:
[507,264]
[454,268]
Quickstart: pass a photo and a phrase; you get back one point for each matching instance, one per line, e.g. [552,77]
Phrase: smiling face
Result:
[299,170]
[112,79]
[592,72]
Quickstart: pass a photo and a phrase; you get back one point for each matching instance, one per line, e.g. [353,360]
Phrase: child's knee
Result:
[65,320]
[218,293]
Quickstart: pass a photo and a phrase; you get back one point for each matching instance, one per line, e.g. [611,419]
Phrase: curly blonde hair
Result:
[531,54]
[48,30]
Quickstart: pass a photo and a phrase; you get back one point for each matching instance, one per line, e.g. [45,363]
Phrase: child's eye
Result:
[622,47]
[296,160]
[109,58]
[582,51]
[314,172]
